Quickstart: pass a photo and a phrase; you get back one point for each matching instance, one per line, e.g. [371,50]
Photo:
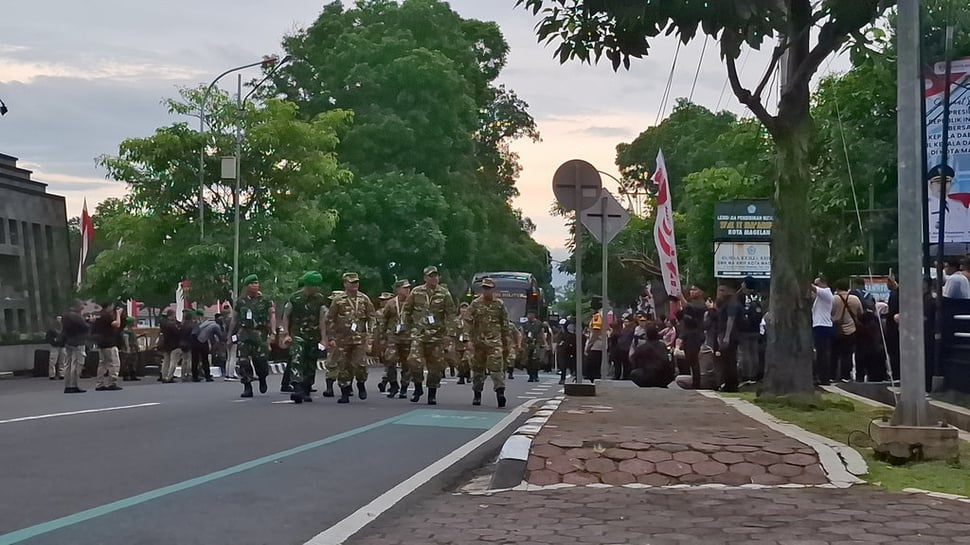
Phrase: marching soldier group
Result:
[417,333]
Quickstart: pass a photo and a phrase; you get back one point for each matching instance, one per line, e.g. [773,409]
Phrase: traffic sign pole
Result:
[579,288]
[606,300]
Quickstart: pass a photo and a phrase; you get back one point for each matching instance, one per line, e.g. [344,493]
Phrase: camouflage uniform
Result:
[491,337]
[304,329]
[515,342]
[396,342]
[252,316]
[429,314]
[350,324]
[464,355]
[533,333]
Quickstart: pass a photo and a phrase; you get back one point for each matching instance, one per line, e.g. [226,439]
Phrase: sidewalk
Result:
[670,467]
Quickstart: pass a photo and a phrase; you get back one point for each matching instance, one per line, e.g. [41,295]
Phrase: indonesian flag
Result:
[663,231]
[87,235]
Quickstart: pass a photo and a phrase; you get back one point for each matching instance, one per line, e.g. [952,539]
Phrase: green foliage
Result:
[420,80]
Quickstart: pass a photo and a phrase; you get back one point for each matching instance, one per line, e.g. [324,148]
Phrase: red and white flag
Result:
[87,235]
[663,231]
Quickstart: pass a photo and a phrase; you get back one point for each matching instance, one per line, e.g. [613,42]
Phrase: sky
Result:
[79,83]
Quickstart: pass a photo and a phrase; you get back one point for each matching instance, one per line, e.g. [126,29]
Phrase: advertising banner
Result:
[957,192]
[742,259]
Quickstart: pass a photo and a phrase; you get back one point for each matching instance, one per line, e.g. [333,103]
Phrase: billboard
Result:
[742,259]
[743,221]
[957,192]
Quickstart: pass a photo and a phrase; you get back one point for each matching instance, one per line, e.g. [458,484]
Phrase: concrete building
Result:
[35,259]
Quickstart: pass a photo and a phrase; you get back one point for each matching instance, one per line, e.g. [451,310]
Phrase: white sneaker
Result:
[230,379]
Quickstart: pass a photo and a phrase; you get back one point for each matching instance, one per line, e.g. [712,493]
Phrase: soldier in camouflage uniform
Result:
[331,364]
[491,339]
[463,353]
[253,322]
[534,336]
[304,320]
[378,350]
[429,314]
[350,328]
[395,339]
[515,345]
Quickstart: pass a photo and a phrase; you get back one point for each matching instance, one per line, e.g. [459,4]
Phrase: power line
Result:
[670,80]
[700,61]
[744,63]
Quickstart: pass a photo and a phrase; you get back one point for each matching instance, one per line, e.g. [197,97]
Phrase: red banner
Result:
[663,231]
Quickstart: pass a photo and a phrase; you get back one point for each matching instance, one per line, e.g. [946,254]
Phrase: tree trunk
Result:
[789,350]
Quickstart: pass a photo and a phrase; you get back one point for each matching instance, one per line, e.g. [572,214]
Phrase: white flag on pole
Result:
[663,231]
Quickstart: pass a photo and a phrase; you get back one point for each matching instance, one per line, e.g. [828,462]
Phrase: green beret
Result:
[312,279]
[200,312]
[250,279]
[129,320]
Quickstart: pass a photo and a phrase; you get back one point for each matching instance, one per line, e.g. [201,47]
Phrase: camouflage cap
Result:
[402,284]
[488,283]
[463,306]
[350,277]
[385,296]
[334,294]
[430,270]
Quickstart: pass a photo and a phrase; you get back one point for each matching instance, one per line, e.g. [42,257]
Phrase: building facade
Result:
[35,259]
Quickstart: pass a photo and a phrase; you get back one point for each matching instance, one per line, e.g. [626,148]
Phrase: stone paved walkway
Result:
[661,437]
[687,516]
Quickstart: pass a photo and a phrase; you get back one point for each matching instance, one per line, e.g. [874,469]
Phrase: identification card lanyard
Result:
[397,304]
[430,313]
[353,325]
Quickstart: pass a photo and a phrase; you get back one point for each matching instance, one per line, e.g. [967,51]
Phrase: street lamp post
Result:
[205,96]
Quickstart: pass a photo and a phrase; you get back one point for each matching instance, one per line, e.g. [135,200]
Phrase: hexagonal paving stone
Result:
[637,466]
[654,479]
[536,463]
[691,457]
[673,468]
[768,479]
[618,478]
[709,468]
[762,458]
[635,445]
[815,469]
[563,464]
[600,465]
[655,456]
[547,451]
[694,478]
[728,457]
[580,477]
[799,459]
[565,442]
[778,449]
[582,453]
[808,478]
[785,470]
[671,447]
[543,477]
[731,478]
[706,448]
[748,469]
[740,448]
[619,454]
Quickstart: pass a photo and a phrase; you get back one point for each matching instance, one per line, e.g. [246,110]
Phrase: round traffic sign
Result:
[576,185]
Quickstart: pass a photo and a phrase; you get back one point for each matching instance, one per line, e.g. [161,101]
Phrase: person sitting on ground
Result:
[651,363]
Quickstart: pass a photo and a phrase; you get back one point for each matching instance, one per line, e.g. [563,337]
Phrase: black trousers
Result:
[692,358]
[823,358]
[200,359]
[727,367]
[842,350]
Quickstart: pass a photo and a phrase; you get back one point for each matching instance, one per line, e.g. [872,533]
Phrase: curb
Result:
[512,461]
[841,463]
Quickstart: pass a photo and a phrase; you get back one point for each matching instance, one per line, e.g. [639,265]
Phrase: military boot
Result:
[382,385]
[452,371]
[393,390]
[511,375]
[461,380]
[345,392]
[329,391]
[478,398]
[404,391]
[247,390]
[361,390]
[432,396]
[500,396]
[418,392]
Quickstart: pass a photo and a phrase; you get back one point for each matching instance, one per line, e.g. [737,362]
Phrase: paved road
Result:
[194,464]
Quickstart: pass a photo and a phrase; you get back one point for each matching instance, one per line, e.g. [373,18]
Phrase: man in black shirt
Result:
[729,313]
[74,331]
[106,328]
[57,360]
[168,345]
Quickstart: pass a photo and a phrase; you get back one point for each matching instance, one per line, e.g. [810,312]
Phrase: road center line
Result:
[72,413]
[88,514]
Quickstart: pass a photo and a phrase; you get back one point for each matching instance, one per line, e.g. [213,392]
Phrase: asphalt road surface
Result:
[192,463]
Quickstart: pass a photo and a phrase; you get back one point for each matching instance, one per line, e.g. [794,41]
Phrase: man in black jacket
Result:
[55,367]
[168,345]
[74,332]
[106,329]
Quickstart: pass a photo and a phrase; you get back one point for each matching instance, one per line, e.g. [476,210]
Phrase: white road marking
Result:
[343,530]
[72,413]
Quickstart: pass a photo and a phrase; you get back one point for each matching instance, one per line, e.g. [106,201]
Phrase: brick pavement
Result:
[670,516]
[663,437]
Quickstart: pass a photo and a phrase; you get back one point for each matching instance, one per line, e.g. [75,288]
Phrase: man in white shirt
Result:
[957,285]
[822,331]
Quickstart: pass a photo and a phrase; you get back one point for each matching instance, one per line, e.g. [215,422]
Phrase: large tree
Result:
[807,32]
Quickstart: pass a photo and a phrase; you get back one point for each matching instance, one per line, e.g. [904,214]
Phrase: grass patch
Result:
[847,421]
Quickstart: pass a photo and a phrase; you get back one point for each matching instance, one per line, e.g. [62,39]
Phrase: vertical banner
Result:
[87,235]
[958,151]
[663,231]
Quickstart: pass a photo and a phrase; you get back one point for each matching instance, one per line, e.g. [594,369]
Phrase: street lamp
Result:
[240,103]
[267,61]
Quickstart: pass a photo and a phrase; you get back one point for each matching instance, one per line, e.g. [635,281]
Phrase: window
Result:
[3,231]
[14,239]
[8,324]
[22,320]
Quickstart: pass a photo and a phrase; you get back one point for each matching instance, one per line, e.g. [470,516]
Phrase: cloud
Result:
[608,132]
